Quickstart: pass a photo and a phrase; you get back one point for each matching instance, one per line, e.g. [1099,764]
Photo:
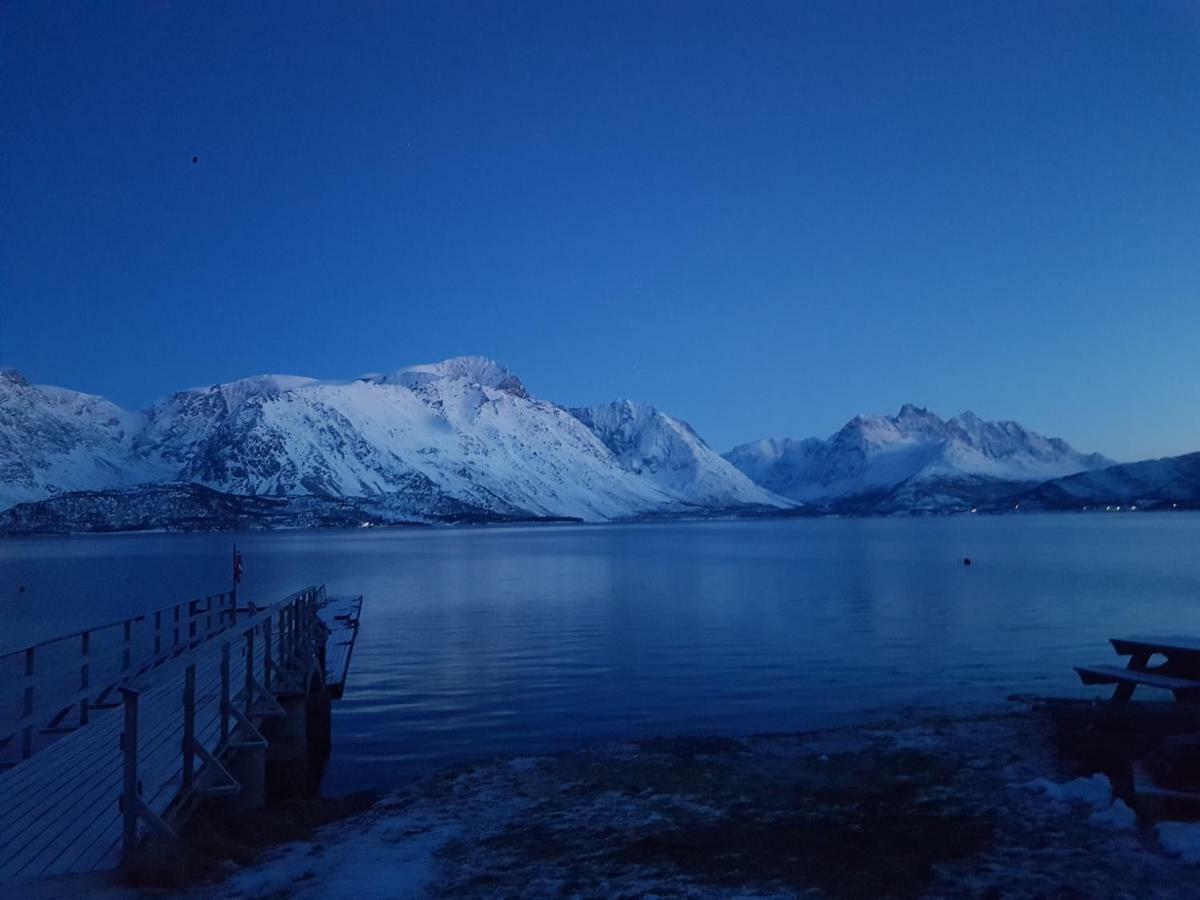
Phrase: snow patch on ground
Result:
[391,857]
[1096,791]
[1118,817]
[1181,839]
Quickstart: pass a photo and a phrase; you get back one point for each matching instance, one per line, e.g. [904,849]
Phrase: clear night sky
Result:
[763,218]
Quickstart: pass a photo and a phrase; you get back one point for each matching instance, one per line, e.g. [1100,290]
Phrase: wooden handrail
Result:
[257,701]
[47,706]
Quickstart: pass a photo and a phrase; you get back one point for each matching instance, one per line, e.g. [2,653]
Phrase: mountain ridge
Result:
[913,461]
[464,430]
[463,440]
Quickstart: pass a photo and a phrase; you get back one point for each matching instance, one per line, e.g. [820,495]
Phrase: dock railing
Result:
[195,684]
[50,688]
[229,684]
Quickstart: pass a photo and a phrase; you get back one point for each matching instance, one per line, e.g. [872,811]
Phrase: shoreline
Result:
[960,801]
[650,519]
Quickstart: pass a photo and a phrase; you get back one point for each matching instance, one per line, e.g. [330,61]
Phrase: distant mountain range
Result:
[911,462]
[464,441]
[1170,483]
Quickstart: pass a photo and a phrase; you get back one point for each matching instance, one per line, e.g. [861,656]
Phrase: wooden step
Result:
[1119,675]
[1144,786]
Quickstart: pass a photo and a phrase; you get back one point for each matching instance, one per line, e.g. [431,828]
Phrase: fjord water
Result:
[479,641]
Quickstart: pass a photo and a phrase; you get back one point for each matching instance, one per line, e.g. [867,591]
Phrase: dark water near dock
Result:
[522,640]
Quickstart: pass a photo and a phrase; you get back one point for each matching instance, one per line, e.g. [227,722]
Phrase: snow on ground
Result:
[1180,839]
[932,805]
[1096,791]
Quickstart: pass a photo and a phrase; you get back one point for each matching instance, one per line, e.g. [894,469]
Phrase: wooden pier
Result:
[113,733]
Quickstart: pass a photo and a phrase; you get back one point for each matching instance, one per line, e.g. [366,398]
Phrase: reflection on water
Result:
[499,640]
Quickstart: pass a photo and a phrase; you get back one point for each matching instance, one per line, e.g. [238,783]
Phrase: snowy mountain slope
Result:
[1173,481]
[460,434]
[465,428]
[54,440]
[668,452]
[480,443]
[174,429]
[911,461]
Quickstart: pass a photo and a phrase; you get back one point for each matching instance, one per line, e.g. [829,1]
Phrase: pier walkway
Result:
[169,715]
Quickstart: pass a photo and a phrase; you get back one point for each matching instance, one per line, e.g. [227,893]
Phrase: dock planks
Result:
[61,811]
[340,615]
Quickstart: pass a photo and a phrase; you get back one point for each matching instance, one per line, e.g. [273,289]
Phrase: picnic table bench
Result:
[1179,673]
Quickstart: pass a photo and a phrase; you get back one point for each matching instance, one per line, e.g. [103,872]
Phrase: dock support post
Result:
[289,764]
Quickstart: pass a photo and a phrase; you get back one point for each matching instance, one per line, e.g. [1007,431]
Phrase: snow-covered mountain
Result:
[463,440]
[670,454]
[913,461]
[54,440]
[429,440]
[465,428]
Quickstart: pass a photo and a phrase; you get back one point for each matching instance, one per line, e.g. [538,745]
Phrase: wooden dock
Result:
[153,725]
[340,615]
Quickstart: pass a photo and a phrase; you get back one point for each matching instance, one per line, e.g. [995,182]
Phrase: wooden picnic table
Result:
[1179,674]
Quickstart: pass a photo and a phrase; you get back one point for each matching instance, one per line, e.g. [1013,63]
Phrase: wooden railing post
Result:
[126,654]
[129,792]
[189,725]
[294,614]
[176,641]
[224,693]
[249,698]
[157,633]
[27,707]
[267,653]
[85,647]
[281,637]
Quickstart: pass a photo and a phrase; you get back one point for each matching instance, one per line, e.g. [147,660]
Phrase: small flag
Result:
[237,566]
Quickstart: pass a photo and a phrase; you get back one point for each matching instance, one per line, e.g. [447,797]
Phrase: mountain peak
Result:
[478,369]
[632,406]
[13,376]
[910,411]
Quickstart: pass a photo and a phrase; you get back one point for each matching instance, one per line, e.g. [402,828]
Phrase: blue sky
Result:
[764,218]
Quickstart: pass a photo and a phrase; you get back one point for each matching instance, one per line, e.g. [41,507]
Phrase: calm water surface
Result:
[518,640]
